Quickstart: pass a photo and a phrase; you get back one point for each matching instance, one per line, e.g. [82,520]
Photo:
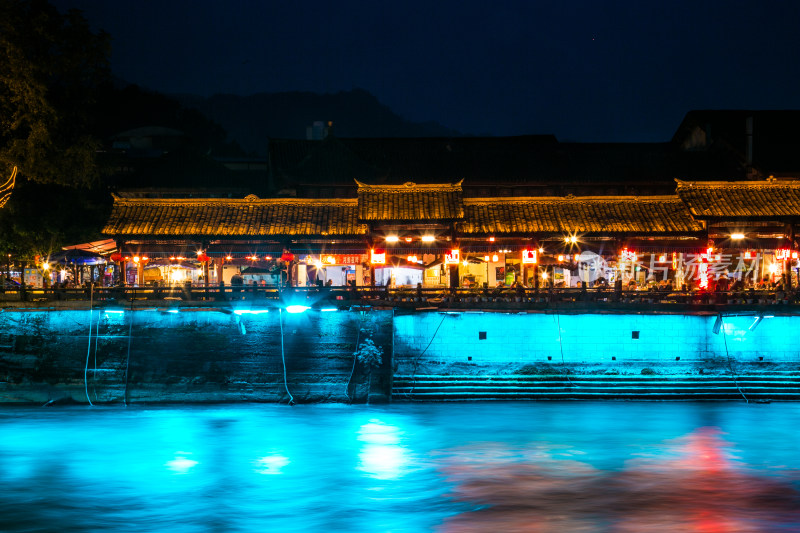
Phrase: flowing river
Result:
[463,467]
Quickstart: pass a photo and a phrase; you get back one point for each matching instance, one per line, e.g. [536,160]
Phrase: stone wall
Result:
[203,354]
[470,342]
[189,354]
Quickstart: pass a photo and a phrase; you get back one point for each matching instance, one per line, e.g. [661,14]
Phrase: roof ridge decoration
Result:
[249,200]
[571,199]
[410,186]
[772,183]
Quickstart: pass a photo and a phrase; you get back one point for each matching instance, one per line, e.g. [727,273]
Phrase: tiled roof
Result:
[237,217]
[748,199]
[589,214]
[410,202]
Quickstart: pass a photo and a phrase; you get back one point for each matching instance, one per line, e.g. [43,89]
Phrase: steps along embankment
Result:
[752,388]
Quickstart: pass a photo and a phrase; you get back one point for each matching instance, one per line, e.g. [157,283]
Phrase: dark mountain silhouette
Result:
[252,120]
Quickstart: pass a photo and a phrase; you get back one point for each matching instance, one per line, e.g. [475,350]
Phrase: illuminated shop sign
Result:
[627,255]
[377,257]
[529,257]
[452,258]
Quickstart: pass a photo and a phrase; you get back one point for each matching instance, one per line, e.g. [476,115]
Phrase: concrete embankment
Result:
[173,352]
[189,354]
[550,356]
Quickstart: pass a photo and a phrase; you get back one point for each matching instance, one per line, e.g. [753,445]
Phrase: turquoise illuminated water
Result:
[404,467]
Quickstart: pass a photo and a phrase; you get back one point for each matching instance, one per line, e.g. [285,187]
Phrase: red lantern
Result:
[287,257]
[203,257]
[116,257]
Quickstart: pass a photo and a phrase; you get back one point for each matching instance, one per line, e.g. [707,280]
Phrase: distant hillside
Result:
[251,120]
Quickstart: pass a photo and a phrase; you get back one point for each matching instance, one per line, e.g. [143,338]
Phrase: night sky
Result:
[595,70]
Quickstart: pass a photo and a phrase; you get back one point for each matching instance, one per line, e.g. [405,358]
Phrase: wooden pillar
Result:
[220,264]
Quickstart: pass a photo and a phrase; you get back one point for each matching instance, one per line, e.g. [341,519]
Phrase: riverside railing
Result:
[428,298]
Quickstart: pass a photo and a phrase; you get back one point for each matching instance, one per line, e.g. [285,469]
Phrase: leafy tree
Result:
[51,66]
[370,356]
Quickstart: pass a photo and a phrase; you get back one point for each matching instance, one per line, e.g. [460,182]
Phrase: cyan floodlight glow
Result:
[294,309]
[328,309]
[251,311]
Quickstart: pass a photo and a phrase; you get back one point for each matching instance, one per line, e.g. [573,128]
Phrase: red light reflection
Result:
[700,489]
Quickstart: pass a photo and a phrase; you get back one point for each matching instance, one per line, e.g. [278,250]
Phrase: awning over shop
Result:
[103,247]
[77,257]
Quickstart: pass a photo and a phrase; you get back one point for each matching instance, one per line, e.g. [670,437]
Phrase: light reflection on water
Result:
[407,467]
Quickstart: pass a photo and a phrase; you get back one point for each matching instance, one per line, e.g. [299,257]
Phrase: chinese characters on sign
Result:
[452,258]
[528,257]
[377,257]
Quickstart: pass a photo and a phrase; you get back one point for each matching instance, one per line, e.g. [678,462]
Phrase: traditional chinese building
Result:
[475,211]
[402,235]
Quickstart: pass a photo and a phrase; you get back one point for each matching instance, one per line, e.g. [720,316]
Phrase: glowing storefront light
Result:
[428,238]
[529,257]
[627,255]
[453,257]
[702,272]
[737,236]
[392,238]
[377,257]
